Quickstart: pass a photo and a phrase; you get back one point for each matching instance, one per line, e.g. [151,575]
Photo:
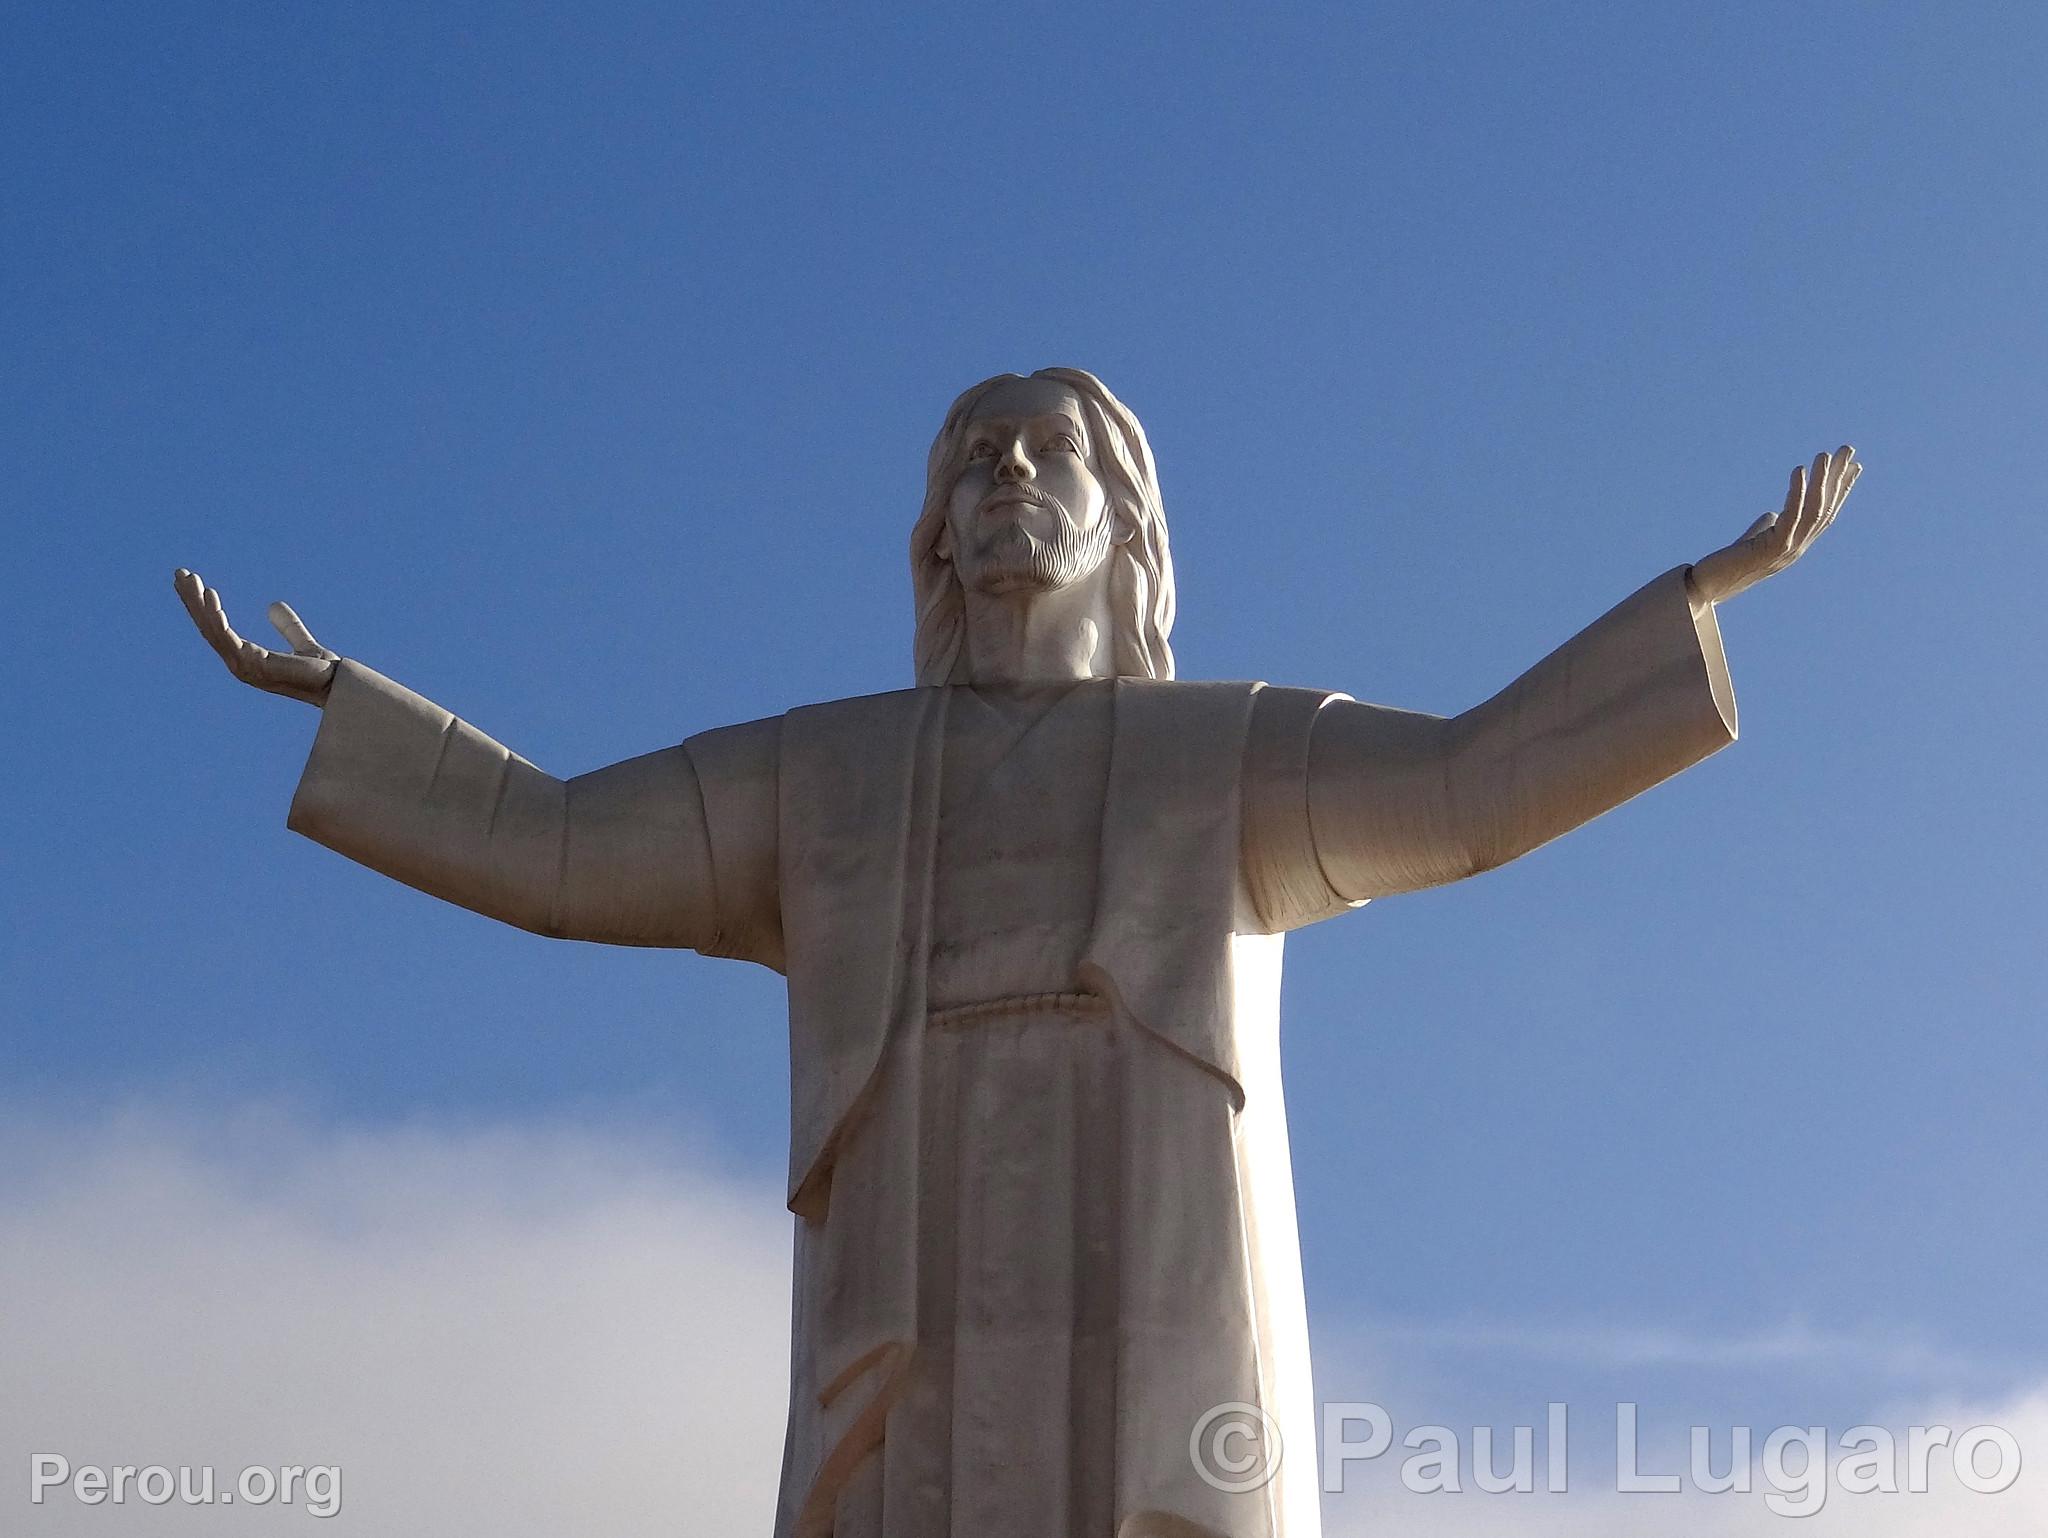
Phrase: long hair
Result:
[1141,569]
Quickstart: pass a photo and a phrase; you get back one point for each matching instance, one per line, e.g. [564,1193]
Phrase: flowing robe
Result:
[1038,1149]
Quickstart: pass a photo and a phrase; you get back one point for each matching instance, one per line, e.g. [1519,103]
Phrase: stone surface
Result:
[1030,913]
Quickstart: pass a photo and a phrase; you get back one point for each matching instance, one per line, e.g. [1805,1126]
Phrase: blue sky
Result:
[576,367]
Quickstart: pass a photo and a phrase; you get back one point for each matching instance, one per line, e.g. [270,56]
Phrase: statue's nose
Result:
[1014,466]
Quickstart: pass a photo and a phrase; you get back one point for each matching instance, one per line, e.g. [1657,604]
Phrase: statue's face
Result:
[1028,513]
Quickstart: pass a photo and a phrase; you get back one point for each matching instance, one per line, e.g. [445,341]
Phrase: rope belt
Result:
[956,1015]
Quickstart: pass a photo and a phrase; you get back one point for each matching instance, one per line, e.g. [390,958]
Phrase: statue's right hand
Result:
[305,672]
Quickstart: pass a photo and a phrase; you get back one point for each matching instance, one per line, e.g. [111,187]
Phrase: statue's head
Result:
[1036,486]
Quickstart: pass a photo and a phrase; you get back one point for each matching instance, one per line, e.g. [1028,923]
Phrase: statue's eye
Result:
[982,450]
[1064,442]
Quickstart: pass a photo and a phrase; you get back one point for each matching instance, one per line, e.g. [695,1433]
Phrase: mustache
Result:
[1018,492]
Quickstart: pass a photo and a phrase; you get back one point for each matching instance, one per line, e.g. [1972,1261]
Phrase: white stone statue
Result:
[1030,913]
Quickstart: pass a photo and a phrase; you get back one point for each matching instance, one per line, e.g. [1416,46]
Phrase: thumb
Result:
[294,630]
[1749,533]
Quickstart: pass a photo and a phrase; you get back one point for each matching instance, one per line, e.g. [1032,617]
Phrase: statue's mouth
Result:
[1013,496]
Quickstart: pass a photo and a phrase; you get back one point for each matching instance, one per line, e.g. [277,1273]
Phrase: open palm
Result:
[305,672]
[1778,539]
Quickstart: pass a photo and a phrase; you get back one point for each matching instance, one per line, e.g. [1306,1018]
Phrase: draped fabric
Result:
[1051,1145]
[1074,1189]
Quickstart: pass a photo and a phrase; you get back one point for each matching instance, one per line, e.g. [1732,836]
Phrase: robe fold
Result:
[1230,813]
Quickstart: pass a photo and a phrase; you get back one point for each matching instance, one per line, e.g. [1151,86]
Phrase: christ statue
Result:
[1030,912]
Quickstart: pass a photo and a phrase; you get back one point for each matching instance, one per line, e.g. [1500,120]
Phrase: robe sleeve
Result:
[633,854]
[1394,800]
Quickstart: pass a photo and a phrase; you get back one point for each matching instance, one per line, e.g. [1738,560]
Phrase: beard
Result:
[1012,559]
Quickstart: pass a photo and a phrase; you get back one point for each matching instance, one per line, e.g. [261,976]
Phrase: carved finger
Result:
[190,591]
[1816,491]
[193,593]
[1830,499]
[1849,482]
[1846,471]
[1820,493]
[220,635]
[1849,475]
[1757,528]
[294,630]
[216,616]
[1788,516]
[1795,491]
[1810,504]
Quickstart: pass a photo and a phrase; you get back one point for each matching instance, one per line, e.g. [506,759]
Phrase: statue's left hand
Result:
[1778,539]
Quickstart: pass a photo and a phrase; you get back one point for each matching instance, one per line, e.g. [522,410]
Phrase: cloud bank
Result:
[490,1331]
[526,1332]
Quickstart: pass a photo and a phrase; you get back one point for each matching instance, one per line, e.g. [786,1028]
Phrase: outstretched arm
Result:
[623,855]
[1399,801]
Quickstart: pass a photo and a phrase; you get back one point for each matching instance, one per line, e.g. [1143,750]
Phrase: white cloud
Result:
[528,1332]
[490,1331]
[1790,1342]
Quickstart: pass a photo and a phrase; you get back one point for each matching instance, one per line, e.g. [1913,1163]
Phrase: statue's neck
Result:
[1026,640]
